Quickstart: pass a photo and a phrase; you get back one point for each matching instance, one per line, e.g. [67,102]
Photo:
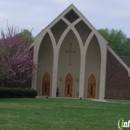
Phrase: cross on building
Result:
[70,52]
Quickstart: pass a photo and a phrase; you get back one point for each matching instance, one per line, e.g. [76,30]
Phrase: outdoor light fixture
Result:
[60,79]
[77,80]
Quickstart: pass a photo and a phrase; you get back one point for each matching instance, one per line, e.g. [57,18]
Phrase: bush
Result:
[17,93]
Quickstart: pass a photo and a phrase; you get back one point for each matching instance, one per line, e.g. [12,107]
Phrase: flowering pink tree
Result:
[16,63]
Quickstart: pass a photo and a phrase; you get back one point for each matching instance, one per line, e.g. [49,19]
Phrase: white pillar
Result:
[82,74]
[35,60]
[103,72]
[54,73]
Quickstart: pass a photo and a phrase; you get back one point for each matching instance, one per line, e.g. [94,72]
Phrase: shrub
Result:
[17,93]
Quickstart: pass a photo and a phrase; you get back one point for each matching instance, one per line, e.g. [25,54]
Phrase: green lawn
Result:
[61,114]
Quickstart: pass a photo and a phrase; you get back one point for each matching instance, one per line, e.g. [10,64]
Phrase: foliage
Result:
[16,63]
[17,93]
[28,35]
[118,41]
[128,41]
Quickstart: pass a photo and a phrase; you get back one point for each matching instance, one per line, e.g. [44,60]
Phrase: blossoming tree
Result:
[16,63]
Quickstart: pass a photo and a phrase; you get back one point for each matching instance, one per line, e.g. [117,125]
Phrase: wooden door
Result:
[46,84]
[68,85]
[91,87]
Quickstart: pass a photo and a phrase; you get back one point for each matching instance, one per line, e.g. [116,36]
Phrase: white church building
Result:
[72,58]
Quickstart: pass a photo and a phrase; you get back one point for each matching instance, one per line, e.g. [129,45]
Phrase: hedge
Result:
[17,93]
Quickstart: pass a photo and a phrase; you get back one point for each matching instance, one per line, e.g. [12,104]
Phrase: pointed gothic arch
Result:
[65,33]
[45,60]
[53,38]
[91,91]
[68,34]
[68,86]
[93,65]
[69,59]
[56,31]
[46,84]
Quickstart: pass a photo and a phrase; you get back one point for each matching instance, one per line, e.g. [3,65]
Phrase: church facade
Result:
[73,60]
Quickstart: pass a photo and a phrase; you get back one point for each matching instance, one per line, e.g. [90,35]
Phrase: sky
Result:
[35,15]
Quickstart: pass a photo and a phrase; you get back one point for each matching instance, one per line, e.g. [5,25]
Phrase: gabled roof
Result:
[71,7]
[126,59]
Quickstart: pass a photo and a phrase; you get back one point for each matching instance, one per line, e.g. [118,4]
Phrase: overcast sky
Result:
[37,14]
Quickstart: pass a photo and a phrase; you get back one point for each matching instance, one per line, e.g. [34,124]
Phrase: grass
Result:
[61,114]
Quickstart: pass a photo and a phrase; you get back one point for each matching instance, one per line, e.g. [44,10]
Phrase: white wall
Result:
[63,64]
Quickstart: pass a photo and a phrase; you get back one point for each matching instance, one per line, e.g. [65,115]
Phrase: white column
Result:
[54,73]
[103,72]
[35,60]
[82,74]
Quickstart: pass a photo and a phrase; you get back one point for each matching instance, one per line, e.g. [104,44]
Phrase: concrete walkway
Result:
[98,100]
[95,100]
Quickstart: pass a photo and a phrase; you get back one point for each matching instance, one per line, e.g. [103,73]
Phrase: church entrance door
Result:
[91,87]
[68,85]
[46,84]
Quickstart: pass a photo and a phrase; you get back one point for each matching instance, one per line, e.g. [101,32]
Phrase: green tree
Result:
[128,40]
[28,35]
[118,41]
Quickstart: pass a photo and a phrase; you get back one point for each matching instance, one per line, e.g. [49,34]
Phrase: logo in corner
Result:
[122,124]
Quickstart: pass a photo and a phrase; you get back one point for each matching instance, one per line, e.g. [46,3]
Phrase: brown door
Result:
[91,87]
[46,84]
[68,86]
